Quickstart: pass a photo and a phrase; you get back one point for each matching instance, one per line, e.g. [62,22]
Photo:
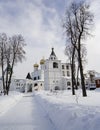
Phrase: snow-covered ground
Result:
[46,110]
[26,115]
[69,112]
[6,102]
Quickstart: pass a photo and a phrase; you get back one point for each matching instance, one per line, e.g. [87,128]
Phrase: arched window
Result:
[55,65]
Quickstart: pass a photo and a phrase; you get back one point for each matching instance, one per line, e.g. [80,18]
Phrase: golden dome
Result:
[42,61]
[36,65]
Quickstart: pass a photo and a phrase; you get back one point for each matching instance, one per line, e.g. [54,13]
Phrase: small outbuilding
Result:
[97,81]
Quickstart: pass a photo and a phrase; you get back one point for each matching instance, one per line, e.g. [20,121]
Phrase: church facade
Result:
[52,75]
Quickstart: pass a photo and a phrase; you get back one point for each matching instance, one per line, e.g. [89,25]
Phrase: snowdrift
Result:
[6,102]
[66,114]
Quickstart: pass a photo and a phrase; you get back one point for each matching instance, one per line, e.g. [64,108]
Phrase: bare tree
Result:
[12,52]
[3,42]
[77,24]
[70,53]
[84,61]
[17,54]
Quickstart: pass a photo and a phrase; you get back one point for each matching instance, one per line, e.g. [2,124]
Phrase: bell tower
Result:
[52,55]
[52,72]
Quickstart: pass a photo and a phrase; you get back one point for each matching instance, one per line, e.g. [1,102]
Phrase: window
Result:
[63,73]
[68,74]
[67,67]
[38,77]
[18,88]
[34,78]
[35,84]
[57,88]
[68,83]
[62,66]
[55,65]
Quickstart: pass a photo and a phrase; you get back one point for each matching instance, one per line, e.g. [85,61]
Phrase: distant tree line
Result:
[11,52]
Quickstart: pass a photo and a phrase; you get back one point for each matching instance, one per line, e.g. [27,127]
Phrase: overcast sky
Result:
[40,23]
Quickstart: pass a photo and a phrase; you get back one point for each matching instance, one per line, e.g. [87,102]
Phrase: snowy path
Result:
[26,115]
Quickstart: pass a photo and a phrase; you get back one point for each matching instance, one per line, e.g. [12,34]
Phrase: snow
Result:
[6,102]
[26,115]
[46,110]
[69,112]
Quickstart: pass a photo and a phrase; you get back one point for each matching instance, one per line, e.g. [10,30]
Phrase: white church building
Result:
[52,74]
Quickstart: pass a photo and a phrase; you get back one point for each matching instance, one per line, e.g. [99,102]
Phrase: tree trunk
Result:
[2,62]
[81,67]
[72,71]
[10,76]
[7,76]
[3,80]
[74,76]
[82,75]
[8,84]
[73,91]
[77,82]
